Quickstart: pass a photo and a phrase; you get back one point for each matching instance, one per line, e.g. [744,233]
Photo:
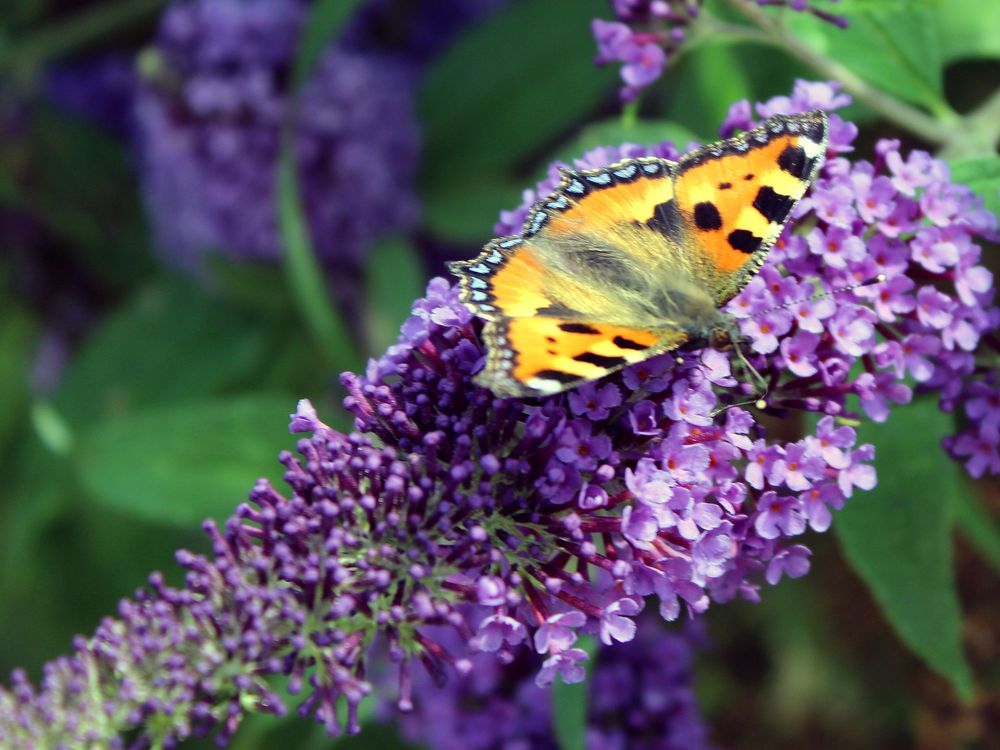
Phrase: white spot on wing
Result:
[811,148]
[545,386]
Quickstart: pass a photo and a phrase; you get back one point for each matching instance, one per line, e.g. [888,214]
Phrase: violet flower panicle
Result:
[640,696]
[208,115]
[448,508]
[649,33]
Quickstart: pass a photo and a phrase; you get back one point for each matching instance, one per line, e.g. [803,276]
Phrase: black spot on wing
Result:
[557,375]
[725,185]
[744,241]
[623,343]
[667,220]
[794,161]
[706,216]
[578,328]
[599,360]
[772,206]
[748,177]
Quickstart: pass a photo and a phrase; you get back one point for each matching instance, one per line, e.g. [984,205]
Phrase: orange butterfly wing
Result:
[737,195]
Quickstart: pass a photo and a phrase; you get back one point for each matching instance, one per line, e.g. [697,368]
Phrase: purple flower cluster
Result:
[648,33]
[899,216]
[517,525]
[178,663]
[639,696]
[933,321]
[977,446]
[209,116]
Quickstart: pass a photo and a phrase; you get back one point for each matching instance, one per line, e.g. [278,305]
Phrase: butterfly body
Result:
[625,262]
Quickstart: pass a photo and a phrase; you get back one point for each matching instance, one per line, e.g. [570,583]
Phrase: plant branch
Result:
[66,35]
[939,131]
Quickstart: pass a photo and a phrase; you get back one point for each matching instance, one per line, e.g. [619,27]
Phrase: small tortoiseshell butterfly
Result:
[622,263]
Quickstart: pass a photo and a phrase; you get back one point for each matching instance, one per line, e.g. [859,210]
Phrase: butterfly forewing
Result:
[737,195]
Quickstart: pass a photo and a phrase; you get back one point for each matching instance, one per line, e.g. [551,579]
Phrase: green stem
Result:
[305,276]
[630,114]
[938,130]
[303,271]
[67,35]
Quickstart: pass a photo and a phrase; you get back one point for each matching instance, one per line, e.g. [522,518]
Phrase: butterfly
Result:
[622,263]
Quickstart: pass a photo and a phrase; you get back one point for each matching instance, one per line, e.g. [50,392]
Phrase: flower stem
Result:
[939,129]
[69,34]
[305,276]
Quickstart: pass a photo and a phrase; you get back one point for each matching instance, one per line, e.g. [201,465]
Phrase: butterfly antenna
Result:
[760,401]
[877,279]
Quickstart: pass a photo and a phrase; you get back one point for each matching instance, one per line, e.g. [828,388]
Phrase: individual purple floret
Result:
[209,115]
[648,34]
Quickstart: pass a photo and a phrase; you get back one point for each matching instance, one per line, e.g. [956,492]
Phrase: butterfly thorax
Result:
[628,276]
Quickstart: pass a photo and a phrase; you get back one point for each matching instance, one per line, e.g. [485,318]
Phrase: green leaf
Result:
[50,427]
[326,19]
[170,341]
[897,537]
[17,340]
[615,132]
[461,212]
[180,463]
[305,275]
[983,176]
[968,28]
[896,47]
[707,80]
[61,37]
[393,279]
[978,527]
[509,87]
[569,705]
[82,189]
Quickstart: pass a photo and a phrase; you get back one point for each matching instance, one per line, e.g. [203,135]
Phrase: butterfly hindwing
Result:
[539,355]
[538,335]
